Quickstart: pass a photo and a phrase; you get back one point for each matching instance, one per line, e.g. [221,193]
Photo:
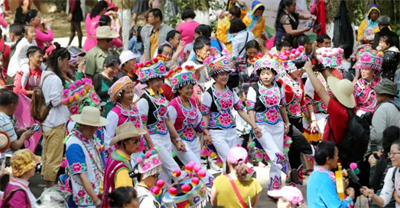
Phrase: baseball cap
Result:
[237,154]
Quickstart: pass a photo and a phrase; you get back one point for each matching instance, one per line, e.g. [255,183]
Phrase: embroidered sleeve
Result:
[285,20]
[205,107]
[76,159]
[143,107]
[251,99]
[238,102]
[308,100]
[200,128]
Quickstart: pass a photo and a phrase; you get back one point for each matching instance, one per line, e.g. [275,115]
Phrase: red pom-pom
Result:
[141,65]
[155,60]
[173,191]
[186,188]
[160,183]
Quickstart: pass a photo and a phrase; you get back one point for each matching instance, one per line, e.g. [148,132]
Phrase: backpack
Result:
[354,143]
[39,109]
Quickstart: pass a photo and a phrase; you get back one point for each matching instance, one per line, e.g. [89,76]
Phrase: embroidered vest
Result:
[186,119]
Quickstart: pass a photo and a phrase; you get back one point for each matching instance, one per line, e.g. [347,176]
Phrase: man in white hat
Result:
[127,66]
[85,163]
[96,56]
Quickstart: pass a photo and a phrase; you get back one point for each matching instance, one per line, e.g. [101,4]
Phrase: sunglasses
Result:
[108,40]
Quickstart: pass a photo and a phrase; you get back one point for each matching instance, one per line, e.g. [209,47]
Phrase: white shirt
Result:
[53,90]
[389,188]
[19,58]
[239,43]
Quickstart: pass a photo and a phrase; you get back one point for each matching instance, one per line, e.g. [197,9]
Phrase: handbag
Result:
[236,191]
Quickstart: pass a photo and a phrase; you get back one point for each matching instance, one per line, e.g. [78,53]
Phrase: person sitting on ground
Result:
[386,114]
[8,105]
[123,197]
[324,41]
[321,186]
[17,192]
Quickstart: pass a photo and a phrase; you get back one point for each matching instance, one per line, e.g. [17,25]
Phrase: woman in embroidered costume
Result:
[118,166]
[216,109]
[121,93]
[146,172]
[154,113]
[85,161]
[186,116]
[267,108]
[330,58]
[369,62]
[321,186]
[294,98]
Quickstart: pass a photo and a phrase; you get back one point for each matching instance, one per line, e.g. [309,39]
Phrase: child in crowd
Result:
[23,43]
[123,197]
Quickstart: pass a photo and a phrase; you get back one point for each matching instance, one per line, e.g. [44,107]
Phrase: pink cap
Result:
[290,193]
[236,154]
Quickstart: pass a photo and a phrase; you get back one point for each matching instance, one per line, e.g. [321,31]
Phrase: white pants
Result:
[193,154]
[272,143]
[125,18]
[223,141]
[164,144]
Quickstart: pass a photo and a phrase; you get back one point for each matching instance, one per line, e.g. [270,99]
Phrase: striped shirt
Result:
[7,124]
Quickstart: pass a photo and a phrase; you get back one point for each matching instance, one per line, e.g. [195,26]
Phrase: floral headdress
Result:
[180,78]
[218,63]
[149,163]
[330,57]
[266,62]
[190,191]
[79,95]
[151,69]
[120,85]
[370,59]
[290,58]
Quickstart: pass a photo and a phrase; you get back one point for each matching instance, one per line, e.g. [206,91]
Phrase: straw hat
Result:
[90,116]
[126,131]
[343,91]
[105,32]
[22,161]
[5,141]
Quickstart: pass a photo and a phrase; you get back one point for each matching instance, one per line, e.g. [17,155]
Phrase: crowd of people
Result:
[136,116]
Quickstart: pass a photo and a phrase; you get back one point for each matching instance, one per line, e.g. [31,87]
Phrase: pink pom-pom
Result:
[195,181]
[186,188]
[287,53]
[284,58]
[196,168]
[297,53]
[340,50]
[72,87]
[204,152]
[353,166]
[147,155]
[329,54]
[301,48]
[292,56]
[65,92]
[293,50]
[160,183]
[78,82]
[323,54]
[64,163]
[173,191]
[176,173]
[139,160]
[202,173]
[65,101]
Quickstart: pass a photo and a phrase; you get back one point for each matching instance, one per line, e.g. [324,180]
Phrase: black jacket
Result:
[386,31]
[390,62]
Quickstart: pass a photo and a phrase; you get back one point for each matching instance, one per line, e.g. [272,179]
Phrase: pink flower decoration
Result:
[74,109]
[95,98]
[141,75]
[81,193]
[174,81]
[161,69]
[76,167]
[155,161]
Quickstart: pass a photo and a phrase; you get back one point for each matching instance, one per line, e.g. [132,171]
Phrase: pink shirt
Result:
[90,31]
[187,30]
[42,37]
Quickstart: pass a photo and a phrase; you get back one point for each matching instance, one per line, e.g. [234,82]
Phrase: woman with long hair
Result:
[91,20]
[53,127]
[21,11]
[75,16]
[287,20]
[243,65]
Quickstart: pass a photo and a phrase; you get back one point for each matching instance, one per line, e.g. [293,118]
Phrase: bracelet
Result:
[98,203]
[178,139]
[287,124]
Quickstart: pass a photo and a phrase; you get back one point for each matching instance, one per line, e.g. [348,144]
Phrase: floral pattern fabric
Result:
[272,98]
[365,96]
[83,156]
[224,101]
[312,97]
[161,114]
[294,95]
